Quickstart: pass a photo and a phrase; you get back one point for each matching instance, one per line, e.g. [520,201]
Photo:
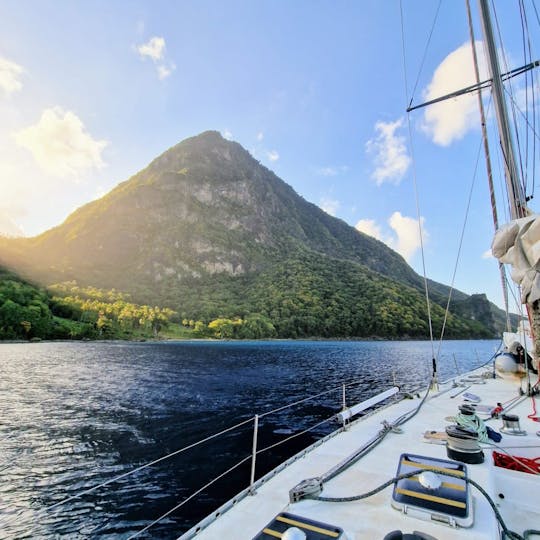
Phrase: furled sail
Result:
[518,243]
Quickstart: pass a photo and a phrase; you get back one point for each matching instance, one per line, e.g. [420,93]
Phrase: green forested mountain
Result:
[70,312]
[27,312]
[209,232]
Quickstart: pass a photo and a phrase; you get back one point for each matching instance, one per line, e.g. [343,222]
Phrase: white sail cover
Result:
[518,243]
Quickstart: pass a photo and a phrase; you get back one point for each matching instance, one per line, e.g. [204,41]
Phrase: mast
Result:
[516,196]
[488,162]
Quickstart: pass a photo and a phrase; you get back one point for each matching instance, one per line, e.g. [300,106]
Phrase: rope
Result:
[489,169]
[520,461]
[523,464]
[510,534]
[533,416]
[335,389]
[519,161]
[475,423]
[458,256]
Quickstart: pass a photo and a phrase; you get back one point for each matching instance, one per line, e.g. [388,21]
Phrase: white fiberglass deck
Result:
[374,517]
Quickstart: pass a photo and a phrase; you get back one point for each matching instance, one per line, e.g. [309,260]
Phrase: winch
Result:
[462,444]
[511,425]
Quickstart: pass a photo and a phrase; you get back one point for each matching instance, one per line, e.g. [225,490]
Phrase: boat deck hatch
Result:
[432,494]
[314,530]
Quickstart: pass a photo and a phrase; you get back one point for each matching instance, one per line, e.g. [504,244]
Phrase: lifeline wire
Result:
[243,460]
[119,477]
[179,451]
[295,435]
[361,452]
[179,505]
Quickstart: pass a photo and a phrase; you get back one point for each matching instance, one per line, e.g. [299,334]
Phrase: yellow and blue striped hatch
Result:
[441,497]
[314,530]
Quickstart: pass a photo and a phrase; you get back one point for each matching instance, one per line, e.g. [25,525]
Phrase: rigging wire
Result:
[536,12]
[426,289]
[535,114]
[511,91]
[526,44]
[532,127]
[458,256]
[487,154]
[425,52]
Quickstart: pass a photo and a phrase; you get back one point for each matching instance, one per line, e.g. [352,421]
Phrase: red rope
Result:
[533,416]
[516,463]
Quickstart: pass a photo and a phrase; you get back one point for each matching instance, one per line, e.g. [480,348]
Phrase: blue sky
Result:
[91,92]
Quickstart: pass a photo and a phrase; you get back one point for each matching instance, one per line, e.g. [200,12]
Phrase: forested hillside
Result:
[208,232]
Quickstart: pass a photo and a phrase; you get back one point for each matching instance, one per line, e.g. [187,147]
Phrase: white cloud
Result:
[407,233]
[330,206]
[153,49]
[272,155]
[370,227]
[260,136]
[451,119]
[60,144]
[405,236]
[164,71]
[487,254]
[227,135]
[390,153]
[10,74]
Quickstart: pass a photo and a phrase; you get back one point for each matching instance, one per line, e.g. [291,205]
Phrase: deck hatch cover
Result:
[449,503]
[314,530]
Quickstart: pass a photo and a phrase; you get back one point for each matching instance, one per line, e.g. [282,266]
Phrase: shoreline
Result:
[228,340]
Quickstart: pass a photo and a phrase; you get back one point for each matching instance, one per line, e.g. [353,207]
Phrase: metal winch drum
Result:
[462,444]
[511,425]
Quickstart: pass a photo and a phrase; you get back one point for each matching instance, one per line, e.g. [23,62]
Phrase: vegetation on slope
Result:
[27,312]
[207,231]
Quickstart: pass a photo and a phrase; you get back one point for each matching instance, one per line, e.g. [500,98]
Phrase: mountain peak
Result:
[204,148]
[209,231]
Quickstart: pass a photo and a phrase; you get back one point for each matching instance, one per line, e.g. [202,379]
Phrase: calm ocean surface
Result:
[74,415]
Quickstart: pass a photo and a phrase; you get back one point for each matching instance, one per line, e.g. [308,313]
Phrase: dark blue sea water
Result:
[74,415]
